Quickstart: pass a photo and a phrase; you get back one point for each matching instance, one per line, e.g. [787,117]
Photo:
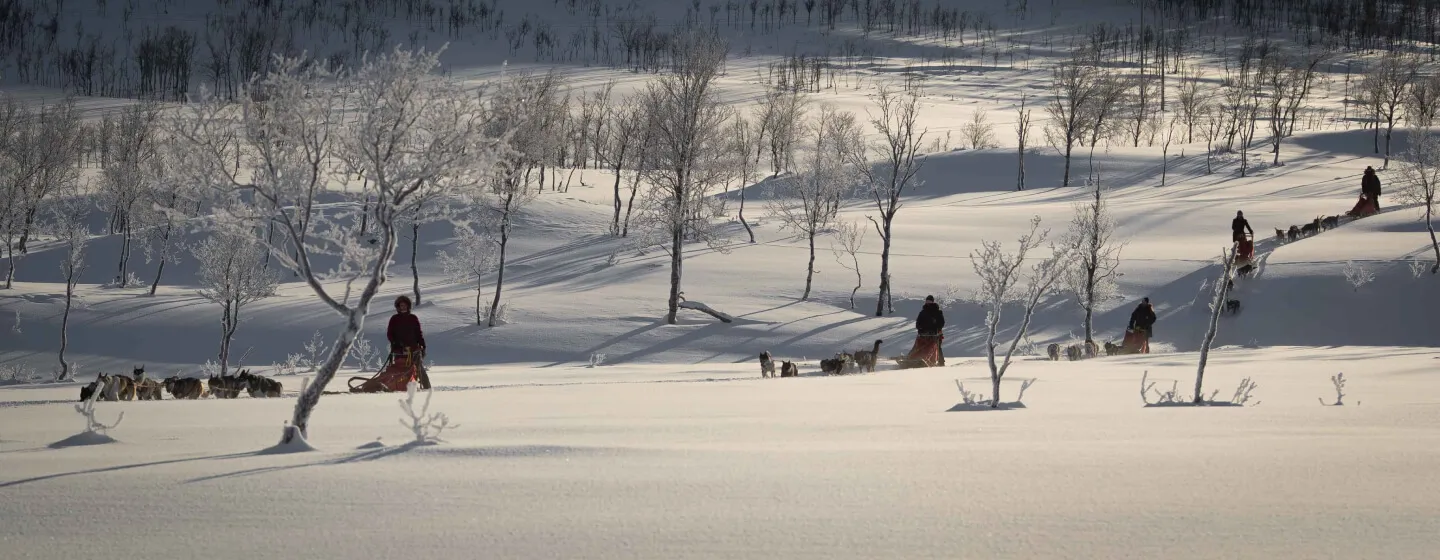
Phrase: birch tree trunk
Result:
[1222,289]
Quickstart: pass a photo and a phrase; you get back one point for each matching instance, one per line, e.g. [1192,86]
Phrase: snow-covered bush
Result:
[87,410]
[363,355]
[426,426]
[1357,275]
[16,327]
[314,349]
[1173,397]
[18,373]
[597,359]
[975,400]
[210,368]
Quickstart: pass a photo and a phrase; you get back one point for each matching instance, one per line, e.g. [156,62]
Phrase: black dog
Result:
[1246,270]
[789,369]
[1232,306]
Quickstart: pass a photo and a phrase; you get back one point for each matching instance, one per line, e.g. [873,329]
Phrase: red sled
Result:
[393,378]
[1364,207]
[1247,249]
[1136,342]
[925,352]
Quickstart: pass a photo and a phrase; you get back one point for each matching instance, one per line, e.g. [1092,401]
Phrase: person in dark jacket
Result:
[1239,226]
[1142,320]
[1370,187]
[931,322]
[404,333]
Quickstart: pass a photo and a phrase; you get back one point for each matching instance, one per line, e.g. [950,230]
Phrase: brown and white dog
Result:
[185,388]
[789,369]
[1053,350]
[146,389]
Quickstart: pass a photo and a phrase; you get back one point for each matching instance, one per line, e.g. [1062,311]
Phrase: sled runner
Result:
[398,372]
[925,352]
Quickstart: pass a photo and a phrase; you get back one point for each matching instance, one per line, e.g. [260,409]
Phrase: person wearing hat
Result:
[1239,226]
[931,322]
[1370,187]
[1142,323]
[404,334]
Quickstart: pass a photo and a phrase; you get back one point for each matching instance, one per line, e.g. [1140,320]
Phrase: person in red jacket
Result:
[404,333]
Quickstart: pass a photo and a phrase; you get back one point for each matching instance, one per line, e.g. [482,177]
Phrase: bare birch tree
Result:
[687,123]
[40,164]
[809,200]
[1386,86]
[1420,173]
[232,275]
[979,133]
[1193,97]
[849,238]
[1005,281]
[898,149]
[783,110]
[414,137]
[619,145]
[1074,88]
[744,141]
[1022,132]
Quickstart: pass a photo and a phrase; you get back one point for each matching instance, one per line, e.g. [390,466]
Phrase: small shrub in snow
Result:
[1173,397]
[969,398]
[1357,275]
[1338,380]
[596,359]
[1242,393]
[1417,269]
[313,350]
[972,399]
[364,355]
[426,426]
[502,315]
[16,328]
[210,368]
[18,373]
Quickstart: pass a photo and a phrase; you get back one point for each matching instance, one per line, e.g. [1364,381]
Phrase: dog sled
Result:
[1137,341]
[1246,250]
[1363,207]
[925,352]
[394,376]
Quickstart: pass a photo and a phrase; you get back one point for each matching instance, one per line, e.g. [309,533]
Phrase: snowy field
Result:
[671,446]
[711,462]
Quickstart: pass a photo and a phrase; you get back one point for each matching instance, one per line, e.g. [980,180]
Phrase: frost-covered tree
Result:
[39,164]
[472,256]
[1420,177]
[898,150]
[1005,280]
[232,275]
[808,201]
[300,132]
[687,155]
[1095,256]
[165,208]
[618,146]
[528,105]
[1287,81]
[783,111]
[1217,305]
[1074,87]
[1422,100]
[68,226]
[131,144]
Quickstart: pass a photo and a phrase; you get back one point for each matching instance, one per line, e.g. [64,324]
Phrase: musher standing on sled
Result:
[931,322]
[1239,226]
[404,333]
[1142,323]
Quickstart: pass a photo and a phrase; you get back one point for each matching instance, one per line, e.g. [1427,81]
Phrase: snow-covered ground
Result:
[675,448]
[708,461]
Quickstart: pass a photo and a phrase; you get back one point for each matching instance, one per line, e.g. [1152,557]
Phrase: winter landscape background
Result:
[590,426]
